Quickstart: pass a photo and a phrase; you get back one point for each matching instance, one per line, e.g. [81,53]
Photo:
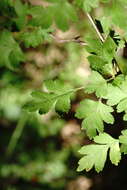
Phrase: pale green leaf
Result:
[104,138]
[97,84]
[113,144]
[123,148]
[94,114]
[89,4]
[115,95]
[114,154]
[95,155]
[122,106]
[123,141]
[123,137]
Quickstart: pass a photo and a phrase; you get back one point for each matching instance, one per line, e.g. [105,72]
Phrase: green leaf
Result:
[104,54]
[94,114]
[35,37]
[109,49]
[90,160]
[58,95]
[60,12]
[89,4]
[94,45]
[42,101]
[118,14]
[21,13]
[115,95]
[125,116]
[95,155]
[118,80]
[97,84]
[63,104]
[123,148]
[63,13]
[122,106]
[106,23]
[123,137]
[11,53]
[113,144]
[41,16]
[123,141]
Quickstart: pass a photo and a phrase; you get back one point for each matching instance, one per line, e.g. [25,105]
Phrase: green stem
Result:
[16,134]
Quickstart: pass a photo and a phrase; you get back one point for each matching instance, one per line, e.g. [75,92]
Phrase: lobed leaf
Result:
[14,54]
[94,114]
[95,155]
[58,96]
[97,84]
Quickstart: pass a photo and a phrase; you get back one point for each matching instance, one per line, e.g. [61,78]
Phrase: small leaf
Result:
[94,114]
[115,95]
[97,84]
[123,137]
[113,144]
[90,160]
[35,37]
[123,141]
[58,96]
[114,153]
[89,4]
[10,51]
[95,155]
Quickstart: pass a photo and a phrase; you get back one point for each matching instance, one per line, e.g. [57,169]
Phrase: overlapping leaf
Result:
[58,95]
[97,84]
[88,5]
[10,51]
[123,141]
[35,37]
[94,113]
[61,12]
[117,95]
[95,155]
[103,55]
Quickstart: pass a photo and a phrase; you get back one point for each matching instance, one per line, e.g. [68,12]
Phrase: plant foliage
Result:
[25,26]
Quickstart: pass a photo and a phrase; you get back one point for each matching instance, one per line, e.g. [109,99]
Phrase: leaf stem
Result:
[16,134]
[70,91]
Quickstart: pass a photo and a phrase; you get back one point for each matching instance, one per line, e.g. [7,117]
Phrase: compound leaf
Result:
[58,95]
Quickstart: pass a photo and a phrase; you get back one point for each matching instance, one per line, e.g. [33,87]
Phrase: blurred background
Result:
[40,152]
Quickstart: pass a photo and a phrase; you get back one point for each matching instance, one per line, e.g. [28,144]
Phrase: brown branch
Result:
[75,40]
[95,27]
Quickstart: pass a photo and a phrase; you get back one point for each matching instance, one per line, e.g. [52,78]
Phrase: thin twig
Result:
[76,40]
[95,27]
